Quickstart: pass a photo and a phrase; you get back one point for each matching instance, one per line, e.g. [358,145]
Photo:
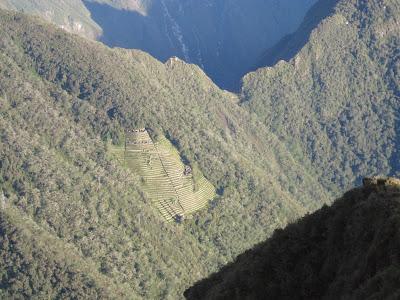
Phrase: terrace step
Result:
[160,167]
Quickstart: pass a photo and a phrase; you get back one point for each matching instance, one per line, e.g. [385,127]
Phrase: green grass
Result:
[116,152]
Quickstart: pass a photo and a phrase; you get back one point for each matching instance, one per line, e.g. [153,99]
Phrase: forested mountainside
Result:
[225,38]
[337,101]
[348,251]
[63,99]
[296,134]
[36,264]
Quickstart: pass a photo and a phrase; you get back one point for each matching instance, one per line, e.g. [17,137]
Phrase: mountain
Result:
[66,103]
[225,38]
[337,100]
[350,250]
[296,134]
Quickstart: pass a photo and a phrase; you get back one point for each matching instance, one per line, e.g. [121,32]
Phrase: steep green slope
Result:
[348,251]
[63,99]
[55,172]
[337,101]
[36,264]
[290,45]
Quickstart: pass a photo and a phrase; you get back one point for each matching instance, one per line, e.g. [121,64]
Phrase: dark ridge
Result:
[348,251]
[395,157]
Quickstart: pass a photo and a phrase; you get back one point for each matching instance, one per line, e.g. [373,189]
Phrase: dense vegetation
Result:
[30,268]
[64,98]
[348,251]
[274,153]
[337,101]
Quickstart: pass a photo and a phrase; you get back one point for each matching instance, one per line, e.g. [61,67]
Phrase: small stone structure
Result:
[188,171]
[381,182]
[138,137]
[137,130]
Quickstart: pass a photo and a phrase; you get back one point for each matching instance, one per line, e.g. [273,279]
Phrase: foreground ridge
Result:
[350,250]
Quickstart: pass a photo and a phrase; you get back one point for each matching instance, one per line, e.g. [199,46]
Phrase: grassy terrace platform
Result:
[174,192]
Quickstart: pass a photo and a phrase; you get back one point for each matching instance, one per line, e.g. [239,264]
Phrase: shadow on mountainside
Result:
[151,33]
[348,251]
[226,47]
[120,25]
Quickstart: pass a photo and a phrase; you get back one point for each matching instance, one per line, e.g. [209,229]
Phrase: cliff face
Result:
[348,251]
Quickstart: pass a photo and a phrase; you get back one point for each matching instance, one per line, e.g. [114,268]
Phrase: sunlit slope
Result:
[64,98]
[193,189]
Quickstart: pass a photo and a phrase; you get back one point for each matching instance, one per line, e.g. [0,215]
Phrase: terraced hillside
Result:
[175,190]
